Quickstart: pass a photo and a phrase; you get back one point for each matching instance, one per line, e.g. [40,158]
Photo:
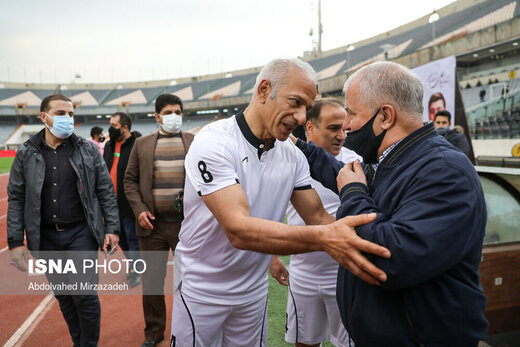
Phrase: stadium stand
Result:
[469,29]
[6,130]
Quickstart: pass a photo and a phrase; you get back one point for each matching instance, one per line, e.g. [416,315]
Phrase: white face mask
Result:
[171,123]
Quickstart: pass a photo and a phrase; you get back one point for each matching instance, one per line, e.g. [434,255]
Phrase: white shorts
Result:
[313,314]
[198,323]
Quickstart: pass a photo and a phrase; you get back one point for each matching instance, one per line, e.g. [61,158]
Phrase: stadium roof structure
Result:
[411,44]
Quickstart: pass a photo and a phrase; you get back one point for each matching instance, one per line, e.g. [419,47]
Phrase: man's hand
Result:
[110,239]
[278,271]
[341,242]
[19,257]
[144,220]
[293,138]
[351,172]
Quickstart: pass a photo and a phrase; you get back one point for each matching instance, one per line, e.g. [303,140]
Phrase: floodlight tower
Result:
[433,18]
[320,27]
[316,45]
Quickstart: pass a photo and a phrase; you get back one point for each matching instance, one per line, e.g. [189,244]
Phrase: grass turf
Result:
[276,308]
[5,164]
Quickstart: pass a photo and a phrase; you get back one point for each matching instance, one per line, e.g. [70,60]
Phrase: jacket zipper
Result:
[410,322]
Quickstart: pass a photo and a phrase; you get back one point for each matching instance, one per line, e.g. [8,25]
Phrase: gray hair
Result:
[389,83]
[276,72]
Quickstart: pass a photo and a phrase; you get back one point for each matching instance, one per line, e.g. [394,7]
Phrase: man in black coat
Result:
[117,152]
[442,124]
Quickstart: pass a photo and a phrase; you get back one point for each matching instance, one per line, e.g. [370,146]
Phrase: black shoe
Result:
[149,343]
[133,280]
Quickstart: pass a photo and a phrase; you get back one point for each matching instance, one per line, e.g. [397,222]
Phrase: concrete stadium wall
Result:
[494,148]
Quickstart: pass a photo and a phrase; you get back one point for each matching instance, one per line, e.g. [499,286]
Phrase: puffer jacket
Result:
[26,183]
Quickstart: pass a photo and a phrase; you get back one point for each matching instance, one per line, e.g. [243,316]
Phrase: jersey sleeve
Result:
[210,164]
[303,178]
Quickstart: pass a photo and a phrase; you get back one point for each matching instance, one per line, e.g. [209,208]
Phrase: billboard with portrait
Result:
[439,82]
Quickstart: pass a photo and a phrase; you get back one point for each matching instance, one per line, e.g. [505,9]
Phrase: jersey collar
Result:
[248,134]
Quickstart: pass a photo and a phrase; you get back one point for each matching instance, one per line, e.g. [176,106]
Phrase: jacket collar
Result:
[130,140]
[38,139]
[408,142]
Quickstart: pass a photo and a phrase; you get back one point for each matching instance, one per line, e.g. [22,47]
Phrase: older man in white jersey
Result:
[312,311]
[240,174]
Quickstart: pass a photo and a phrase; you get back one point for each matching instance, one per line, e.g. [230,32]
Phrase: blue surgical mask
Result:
[62,126]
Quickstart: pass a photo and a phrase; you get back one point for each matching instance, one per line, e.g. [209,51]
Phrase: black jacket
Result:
[25,188]
[126,148]
[458,140]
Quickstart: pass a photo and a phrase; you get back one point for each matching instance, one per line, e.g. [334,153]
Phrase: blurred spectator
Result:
[442,124]
[96,136]
[117,152]
[482,95]
[136,134]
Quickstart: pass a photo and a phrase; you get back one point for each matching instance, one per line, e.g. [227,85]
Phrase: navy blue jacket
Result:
[431,215]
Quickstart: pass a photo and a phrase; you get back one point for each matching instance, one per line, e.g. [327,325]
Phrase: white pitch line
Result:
[4,249]
[4,199]
[33,326]
[28,322]
[3,216]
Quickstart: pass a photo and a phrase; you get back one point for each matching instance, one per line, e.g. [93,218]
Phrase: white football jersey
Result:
[224,153]
[318,267]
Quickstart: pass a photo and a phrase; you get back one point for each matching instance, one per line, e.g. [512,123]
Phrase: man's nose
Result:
[301,115]
[341,135]
[346,124]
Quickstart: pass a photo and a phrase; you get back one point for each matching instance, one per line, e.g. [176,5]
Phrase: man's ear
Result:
[310,127]
[157,117]
[388,116]
[264,90]
[43,116]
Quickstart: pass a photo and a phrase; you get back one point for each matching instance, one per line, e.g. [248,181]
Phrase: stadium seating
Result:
[138,98]
[6,130]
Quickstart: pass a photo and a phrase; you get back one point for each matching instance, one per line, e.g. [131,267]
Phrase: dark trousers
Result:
[163,238]
[128,240]
[81,312]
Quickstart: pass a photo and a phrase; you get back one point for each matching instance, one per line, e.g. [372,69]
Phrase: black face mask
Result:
[364,142]
[114,133]
[101,139]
